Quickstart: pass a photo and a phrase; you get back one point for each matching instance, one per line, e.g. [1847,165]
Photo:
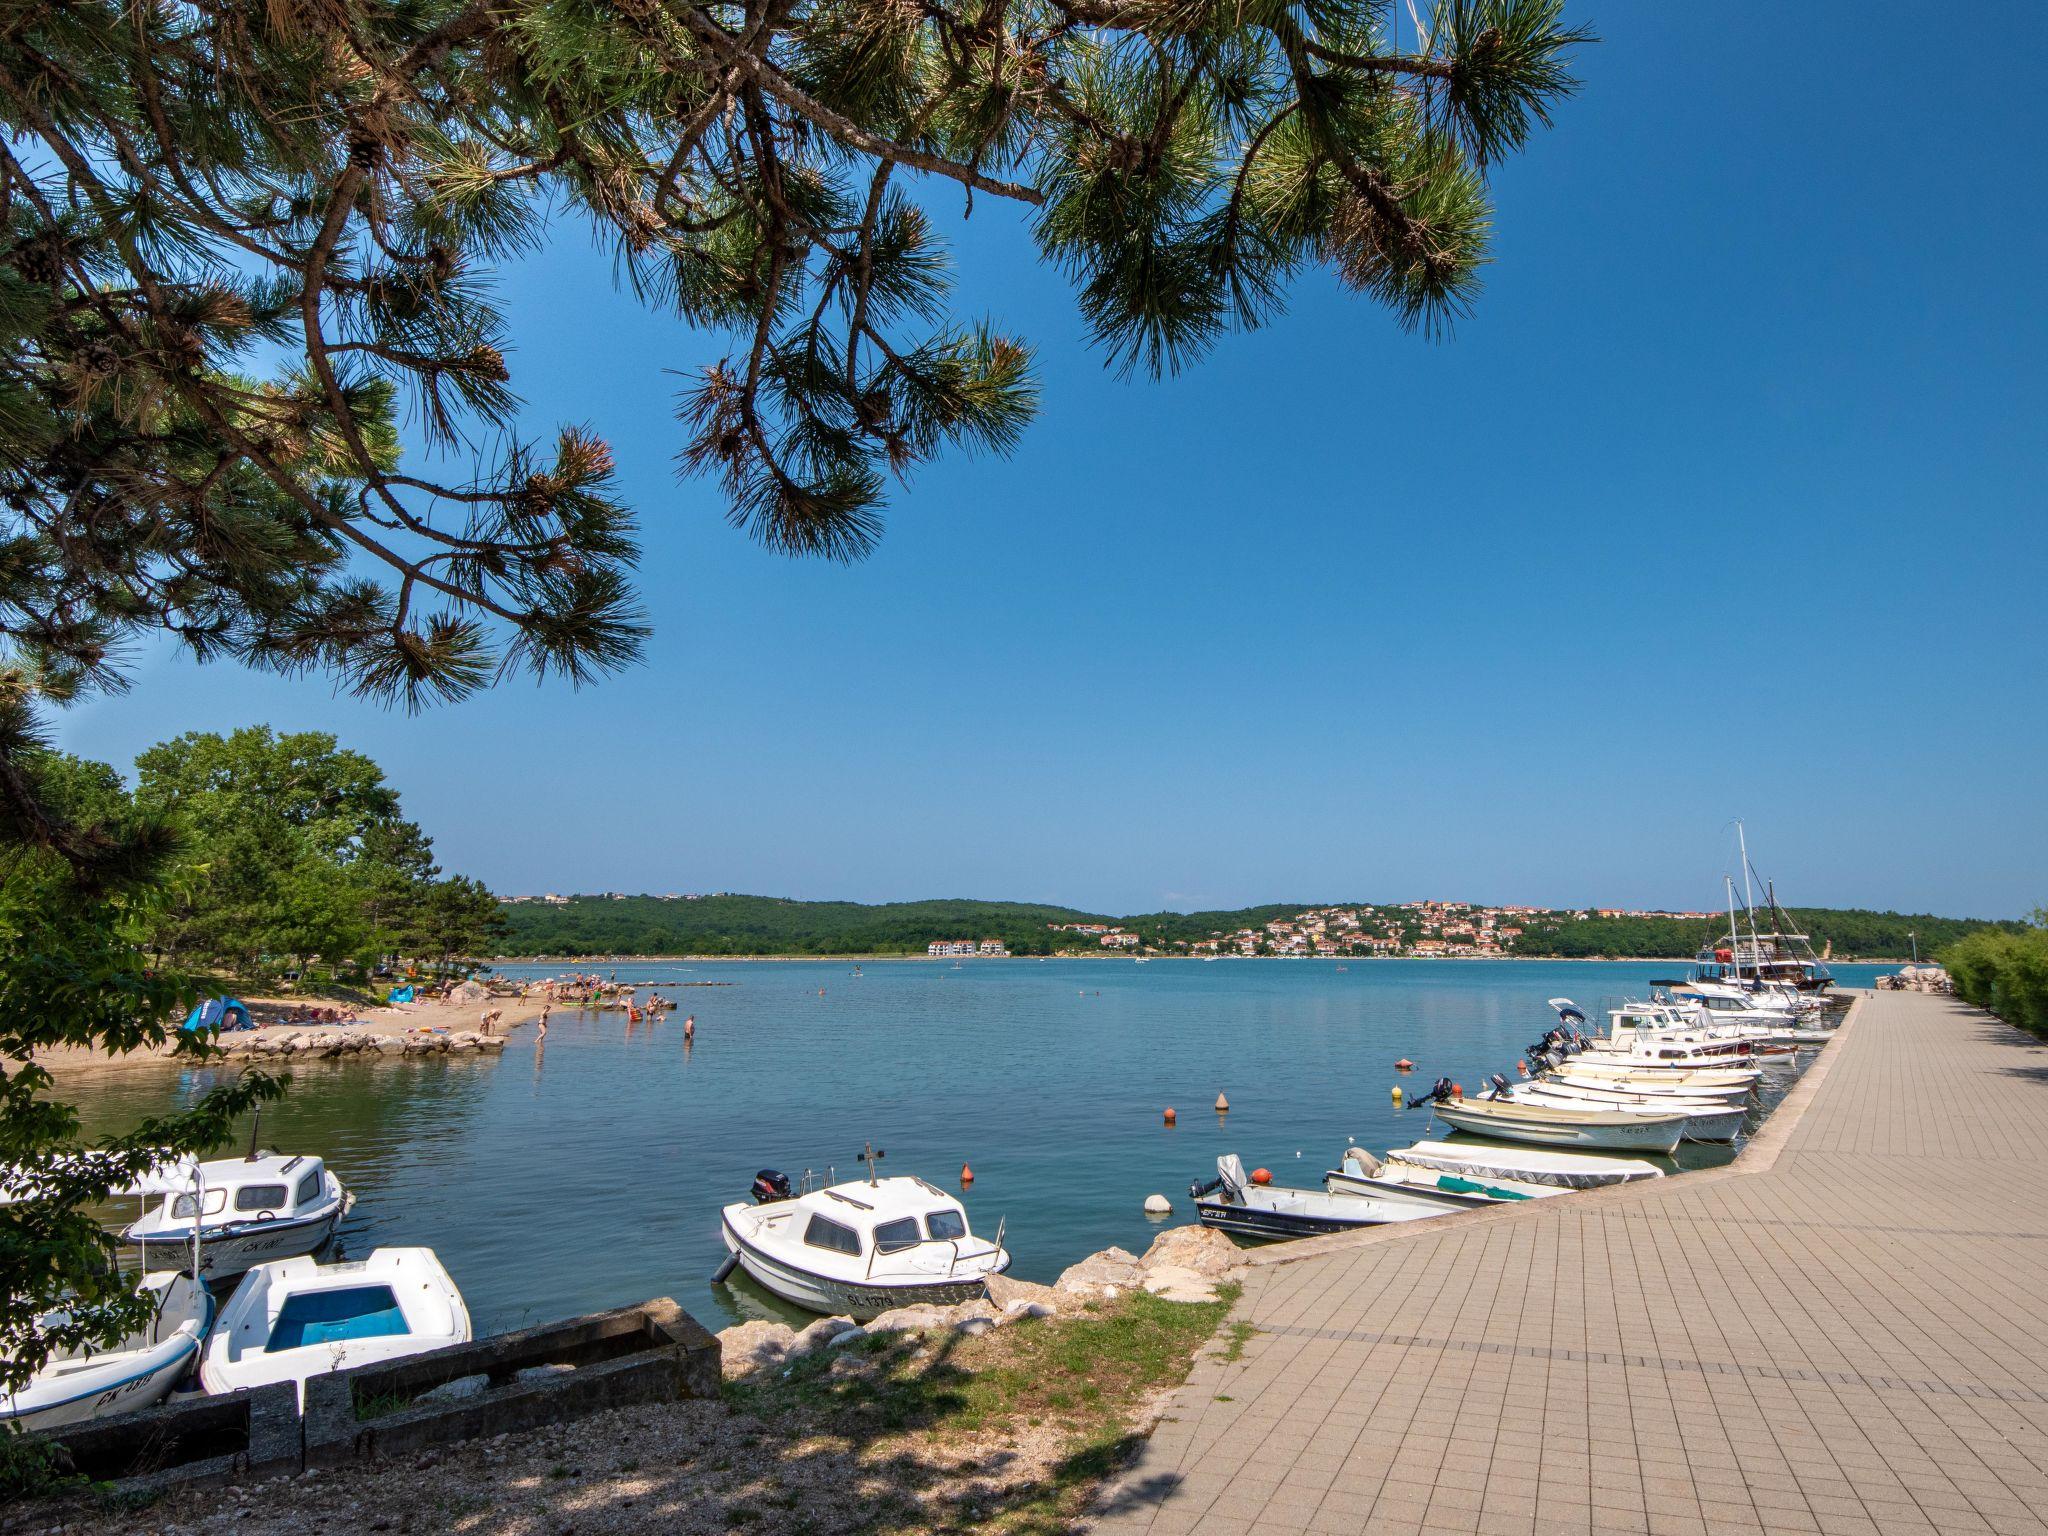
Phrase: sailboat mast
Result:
[1734,938]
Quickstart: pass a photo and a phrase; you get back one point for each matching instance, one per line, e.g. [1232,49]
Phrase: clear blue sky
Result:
[1726,502]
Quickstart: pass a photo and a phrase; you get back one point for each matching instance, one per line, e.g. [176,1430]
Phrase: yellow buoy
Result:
[1397,1093]
[1222,1104]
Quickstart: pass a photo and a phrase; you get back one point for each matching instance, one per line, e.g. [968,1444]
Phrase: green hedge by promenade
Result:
[2006,972]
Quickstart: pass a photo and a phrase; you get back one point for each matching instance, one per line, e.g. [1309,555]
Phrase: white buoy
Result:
[1157,1205]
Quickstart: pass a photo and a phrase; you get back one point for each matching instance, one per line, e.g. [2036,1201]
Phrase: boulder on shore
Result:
[1007,1295]
[1100,1274]
[1170,1282]
[918,1319]
[751,1346]
[819,1334]
[1202,1249]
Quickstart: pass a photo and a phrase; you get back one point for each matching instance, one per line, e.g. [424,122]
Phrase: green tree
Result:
[280,831]
[74,891]
[458,918]
[241,238]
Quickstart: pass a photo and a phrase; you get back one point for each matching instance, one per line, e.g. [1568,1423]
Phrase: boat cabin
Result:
[269,1187]
[859,1220]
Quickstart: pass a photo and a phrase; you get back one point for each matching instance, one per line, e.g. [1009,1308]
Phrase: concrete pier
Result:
[1845,1331]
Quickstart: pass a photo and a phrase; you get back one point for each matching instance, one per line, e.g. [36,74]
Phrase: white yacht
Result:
[84,1383]
[859,1248]
[245,1211]
[293,1318]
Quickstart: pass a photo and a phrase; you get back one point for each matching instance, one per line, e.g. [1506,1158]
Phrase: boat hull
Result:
[832,1297]
[1566,1170]
[1608,1134]
[227,1253]
[108,1384]
[1277,1226]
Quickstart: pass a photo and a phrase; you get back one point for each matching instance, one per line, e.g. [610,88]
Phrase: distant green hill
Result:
[768,925]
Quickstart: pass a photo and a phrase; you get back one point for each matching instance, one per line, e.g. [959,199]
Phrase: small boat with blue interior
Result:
[1239,1204]
[859,1248]
[294,1318]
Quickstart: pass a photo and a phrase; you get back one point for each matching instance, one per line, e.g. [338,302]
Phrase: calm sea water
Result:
[588,1173]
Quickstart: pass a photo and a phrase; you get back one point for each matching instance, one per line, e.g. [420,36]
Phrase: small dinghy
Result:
[293,1318]
[1232,1202]
[859,1249]
[1360,1173]
[244,1211]
[141,1370]
[1532,1165]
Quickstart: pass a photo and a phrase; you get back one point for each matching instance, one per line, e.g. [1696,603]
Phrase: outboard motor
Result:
[1500,1087]
[1441,1093]
[1200,1191]
[770,1186]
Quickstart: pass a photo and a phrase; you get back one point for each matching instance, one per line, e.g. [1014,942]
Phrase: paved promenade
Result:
[1845,1331]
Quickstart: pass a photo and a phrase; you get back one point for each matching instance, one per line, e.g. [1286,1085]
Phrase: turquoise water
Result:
[588,1173]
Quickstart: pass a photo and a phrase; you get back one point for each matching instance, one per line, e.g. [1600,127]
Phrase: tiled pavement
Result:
[1845,1331]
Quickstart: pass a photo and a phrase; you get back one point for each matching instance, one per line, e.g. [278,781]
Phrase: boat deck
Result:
[1845,1331]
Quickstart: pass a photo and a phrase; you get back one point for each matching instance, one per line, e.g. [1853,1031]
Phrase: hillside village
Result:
[1414,928]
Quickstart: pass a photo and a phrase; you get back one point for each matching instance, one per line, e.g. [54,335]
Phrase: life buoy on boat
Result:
[1261,1176]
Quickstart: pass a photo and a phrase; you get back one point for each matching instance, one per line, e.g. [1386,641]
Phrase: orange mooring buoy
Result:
[966,1174]
[1404,1065]
[1458,1091]
[1222,1105]
[1524,1066]
[1170,1115]
[1261,1176]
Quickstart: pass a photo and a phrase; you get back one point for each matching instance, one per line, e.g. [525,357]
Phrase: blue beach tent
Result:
[400,995]
[219,1013]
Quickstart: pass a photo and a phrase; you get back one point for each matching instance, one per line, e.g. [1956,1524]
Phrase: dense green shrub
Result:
[2005,972]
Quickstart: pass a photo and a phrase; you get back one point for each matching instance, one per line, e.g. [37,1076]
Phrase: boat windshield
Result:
[184,1207]
[946,1224]
[894,1236]
[823,1232]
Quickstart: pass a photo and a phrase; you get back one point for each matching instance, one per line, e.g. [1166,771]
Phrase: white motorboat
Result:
[1561,1125]
[294,1318]
[84,1383]
[1233,1202]
[1360,1173]
[1644,1089]
[1663,1074]
[1705,1119]
[245,1211]
[1531,1165]
[859,1248]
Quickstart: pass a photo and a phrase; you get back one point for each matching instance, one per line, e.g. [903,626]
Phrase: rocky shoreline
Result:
[1184,1264]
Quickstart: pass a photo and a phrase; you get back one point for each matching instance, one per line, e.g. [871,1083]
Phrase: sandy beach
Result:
[390,1021]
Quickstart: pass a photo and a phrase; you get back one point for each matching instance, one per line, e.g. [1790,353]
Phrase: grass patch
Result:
[1082,1377]
[1235,1337]
[375,1405]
